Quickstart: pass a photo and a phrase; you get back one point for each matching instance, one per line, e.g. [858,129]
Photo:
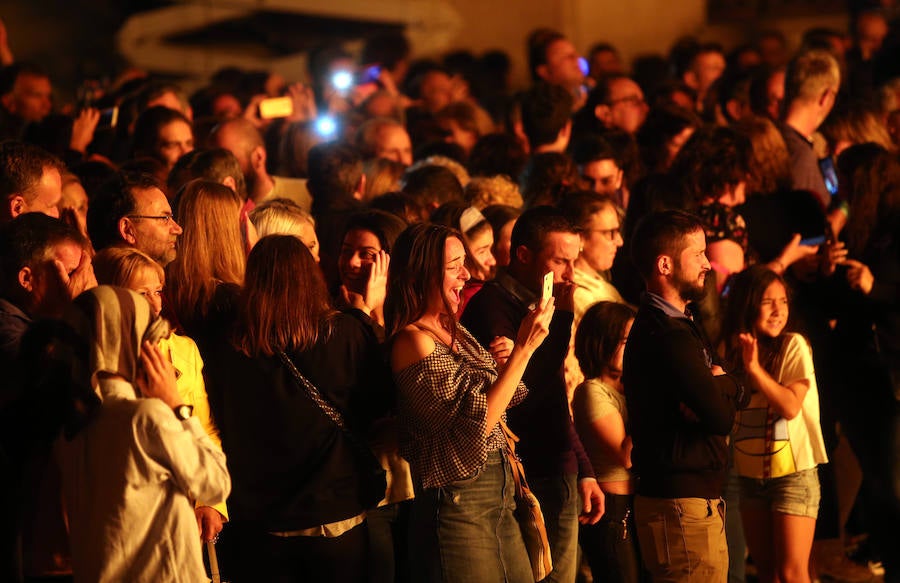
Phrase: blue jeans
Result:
[466,531]
[388,545]
[560,503]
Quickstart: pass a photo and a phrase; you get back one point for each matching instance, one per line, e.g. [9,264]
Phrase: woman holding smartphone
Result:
[452,399]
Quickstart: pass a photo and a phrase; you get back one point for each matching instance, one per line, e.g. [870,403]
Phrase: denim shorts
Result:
[797,494]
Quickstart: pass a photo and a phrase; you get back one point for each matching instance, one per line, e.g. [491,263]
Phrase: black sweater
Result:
[291,466]
[679,412]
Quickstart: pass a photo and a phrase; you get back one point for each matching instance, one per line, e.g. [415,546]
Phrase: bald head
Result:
[241,138]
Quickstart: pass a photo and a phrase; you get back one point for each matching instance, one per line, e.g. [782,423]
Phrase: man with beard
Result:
[681,406]
[131,209]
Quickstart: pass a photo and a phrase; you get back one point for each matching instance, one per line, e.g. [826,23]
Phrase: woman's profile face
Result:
[773,311]
[482,258]
[358,252]
[504,243]
[614,368]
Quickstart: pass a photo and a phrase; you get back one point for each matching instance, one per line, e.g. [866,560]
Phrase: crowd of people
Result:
[277,331]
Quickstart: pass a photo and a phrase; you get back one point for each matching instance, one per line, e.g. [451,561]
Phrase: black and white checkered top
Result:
[442,405]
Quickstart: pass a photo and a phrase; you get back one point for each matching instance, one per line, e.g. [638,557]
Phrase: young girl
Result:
[132,269]
[777,439]
[601,419]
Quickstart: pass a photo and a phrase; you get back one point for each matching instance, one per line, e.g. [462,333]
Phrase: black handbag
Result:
[373,482]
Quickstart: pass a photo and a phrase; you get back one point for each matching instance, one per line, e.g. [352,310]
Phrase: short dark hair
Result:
[22,167]
[535,224]
[114,200]
[148,125]
[546,109]
[214,165]
[593,149]
[548,177]
[598,335]
[661,233]
[432,185]
[384,225]
[662,124]
[9,75]
[385,49]
[498,153]
[539,41]
[26,240]
[579,206]
[335,170]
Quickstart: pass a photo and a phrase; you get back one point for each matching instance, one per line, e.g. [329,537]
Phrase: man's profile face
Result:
[562,66]
[46,194]
[154,236]
[175,140]
[708,67]
[558,254]
[690,267]
[627,105]
[31,99]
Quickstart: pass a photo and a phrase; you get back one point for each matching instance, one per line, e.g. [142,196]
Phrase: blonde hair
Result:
[120,264]
[857,126]
[483,191]
[210,251]
[382,176]
[280,216]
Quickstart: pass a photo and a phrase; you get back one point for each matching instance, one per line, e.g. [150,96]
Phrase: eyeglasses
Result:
[166,219]
[610,234]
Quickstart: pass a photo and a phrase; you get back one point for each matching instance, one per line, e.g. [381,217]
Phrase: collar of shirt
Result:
[13,310]
[657,301]
[516,289]
[794,131]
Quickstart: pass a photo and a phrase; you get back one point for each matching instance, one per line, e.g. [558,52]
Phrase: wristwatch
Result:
[183,412]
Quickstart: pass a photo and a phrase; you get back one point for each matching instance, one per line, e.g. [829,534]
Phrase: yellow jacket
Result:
[185,357]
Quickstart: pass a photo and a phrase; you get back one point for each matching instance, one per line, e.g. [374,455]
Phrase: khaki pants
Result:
[682,539]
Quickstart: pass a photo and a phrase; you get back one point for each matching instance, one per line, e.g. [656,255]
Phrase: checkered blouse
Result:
[442,408]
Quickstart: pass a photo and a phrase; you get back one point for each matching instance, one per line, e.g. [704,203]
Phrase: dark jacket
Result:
[680,413]
[291,466]
[549,445]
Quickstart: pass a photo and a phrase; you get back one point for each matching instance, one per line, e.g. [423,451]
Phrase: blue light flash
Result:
[583,65]
[342,80]
[326,126]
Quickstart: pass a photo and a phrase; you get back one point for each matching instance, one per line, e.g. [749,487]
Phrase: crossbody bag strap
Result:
[322,403]
[518,471]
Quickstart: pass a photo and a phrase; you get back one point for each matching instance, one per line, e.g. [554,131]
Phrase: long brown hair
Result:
[871,181]
[744,303]
[210,251]
[417,269]
[284,303]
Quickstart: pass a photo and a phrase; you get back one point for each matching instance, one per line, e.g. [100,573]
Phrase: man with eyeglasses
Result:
[132,209]
[622,105]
